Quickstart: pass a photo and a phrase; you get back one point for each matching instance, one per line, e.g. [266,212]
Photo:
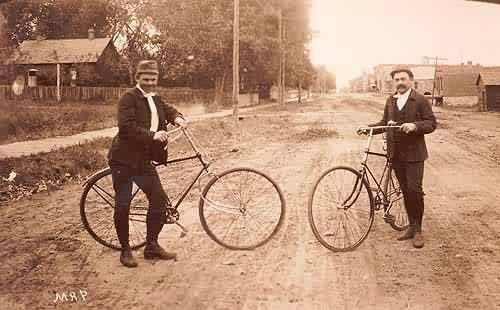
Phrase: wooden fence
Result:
[49,93]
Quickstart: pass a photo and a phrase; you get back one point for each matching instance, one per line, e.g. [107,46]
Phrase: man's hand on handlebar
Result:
[161,136]
[361,131]
[179,121]
[408,127]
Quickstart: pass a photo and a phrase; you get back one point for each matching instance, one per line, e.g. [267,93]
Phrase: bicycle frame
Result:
[366,173]
[198,155]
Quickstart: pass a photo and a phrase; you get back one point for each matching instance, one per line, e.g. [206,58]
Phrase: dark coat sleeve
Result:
[127,122]
[383,121]
[428,122]
[170,112]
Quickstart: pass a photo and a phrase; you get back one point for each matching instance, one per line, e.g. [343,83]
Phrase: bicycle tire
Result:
[363,188]
[204,206]
[87,224]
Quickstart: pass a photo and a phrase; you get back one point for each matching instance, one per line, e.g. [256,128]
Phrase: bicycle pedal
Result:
[389,218]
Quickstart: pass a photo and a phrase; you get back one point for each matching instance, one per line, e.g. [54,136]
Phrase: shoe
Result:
[127,259]
[409,234]
[418,240]
[154,250]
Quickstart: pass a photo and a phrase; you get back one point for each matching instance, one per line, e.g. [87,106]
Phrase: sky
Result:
[353,35]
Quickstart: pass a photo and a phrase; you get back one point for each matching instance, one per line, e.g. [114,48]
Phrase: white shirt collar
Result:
[405,95]
[143,92]
[402,99]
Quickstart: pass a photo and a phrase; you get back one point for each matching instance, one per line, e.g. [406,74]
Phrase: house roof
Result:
[489,76]
[444,70]
[60,51]
[420,72]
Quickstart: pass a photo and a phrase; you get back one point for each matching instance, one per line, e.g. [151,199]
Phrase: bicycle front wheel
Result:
[97,206]
[241,209]
[341,209]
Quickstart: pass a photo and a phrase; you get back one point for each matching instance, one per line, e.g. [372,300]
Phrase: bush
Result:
[44,171]
[20,121]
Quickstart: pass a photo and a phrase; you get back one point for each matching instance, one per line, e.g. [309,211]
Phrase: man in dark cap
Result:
[141,139]
[406,148]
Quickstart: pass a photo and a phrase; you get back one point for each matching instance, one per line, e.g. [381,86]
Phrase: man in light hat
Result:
[406,148]
[141,138]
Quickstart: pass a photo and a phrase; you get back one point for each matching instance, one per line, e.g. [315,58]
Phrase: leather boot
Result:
[154,250]
[409,234]
[127,259]
[418,239]
[122,226]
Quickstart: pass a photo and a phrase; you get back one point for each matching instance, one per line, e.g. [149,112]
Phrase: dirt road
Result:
[44,249]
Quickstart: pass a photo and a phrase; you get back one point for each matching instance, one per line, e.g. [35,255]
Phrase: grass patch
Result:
[47,171]
[25,120]
[314,133]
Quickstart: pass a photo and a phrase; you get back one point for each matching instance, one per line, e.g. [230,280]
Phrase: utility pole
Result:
[281,68]
[435,73]
[283,59]
[58,69]
[236,60]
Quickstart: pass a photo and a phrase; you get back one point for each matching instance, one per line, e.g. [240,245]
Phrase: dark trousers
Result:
[147,179]
[410,176]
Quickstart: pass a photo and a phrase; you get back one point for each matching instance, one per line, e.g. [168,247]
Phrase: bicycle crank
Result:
[172,217]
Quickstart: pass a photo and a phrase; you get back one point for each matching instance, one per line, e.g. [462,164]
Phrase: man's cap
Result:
[147,66]
[402,68]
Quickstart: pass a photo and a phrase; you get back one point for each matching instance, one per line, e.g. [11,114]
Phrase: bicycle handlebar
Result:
[179,128]
[379,127]
[175,130]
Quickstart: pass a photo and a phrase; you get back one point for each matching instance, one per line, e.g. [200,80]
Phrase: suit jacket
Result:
[134,145]
[409,147]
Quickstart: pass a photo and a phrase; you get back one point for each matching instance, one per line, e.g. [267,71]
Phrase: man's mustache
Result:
[401,86]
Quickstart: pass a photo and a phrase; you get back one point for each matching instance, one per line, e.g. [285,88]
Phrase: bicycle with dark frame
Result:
[238,200]
[345,194]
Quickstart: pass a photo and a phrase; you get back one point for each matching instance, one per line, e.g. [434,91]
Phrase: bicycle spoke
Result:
[104,198]
[249,193]
[105,192]
[229,191]
[229,228]
[257,221]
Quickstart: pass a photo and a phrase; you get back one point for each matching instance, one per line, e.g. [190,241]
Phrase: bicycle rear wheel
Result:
[341,209]
[97,205]
[397,206]
[241,208]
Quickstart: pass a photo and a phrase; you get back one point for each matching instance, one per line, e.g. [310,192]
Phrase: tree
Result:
[203,28]
[325,80]
[56,19]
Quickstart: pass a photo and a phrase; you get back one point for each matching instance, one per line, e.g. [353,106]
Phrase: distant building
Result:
[451,80]
[84,62]
[357,85]
[423,77]
[457,80]
[488,83]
